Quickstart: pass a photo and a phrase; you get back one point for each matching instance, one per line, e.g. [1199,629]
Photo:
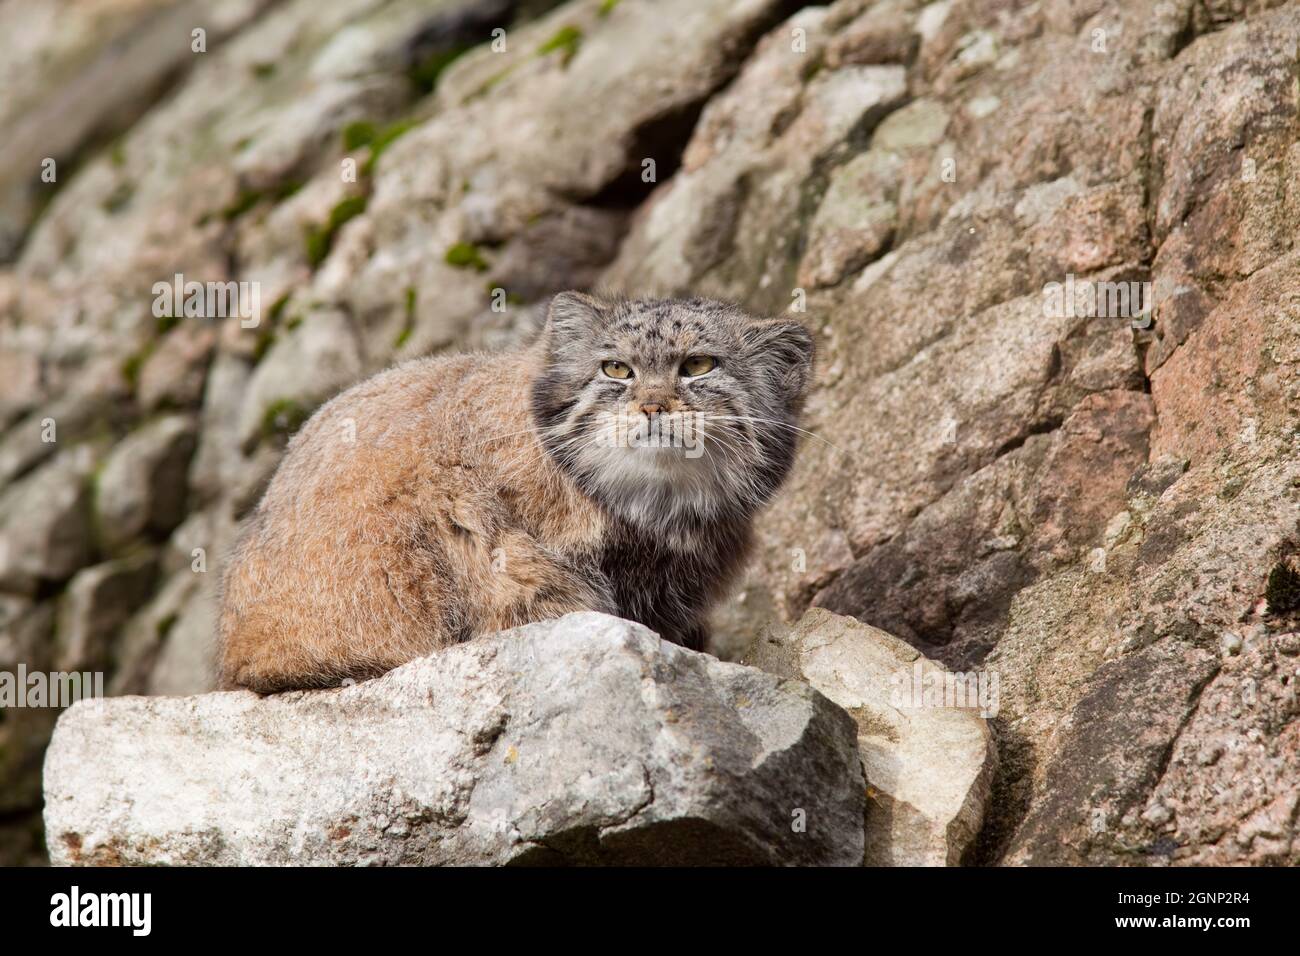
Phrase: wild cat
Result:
[614,465]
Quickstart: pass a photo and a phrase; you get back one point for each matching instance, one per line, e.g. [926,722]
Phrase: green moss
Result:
[607,7]
[117,154]
[277,308]
[131,369]
[245,201]
[284,416]
[425,74]
[264,71]
[567,40]
[813,68]
[165,624]
[248,198]
[363,133]
[383,139]
[285,189]
[491,82]
[165,323]
[465,255]
[316,245]
[346,209]
[358,134]
[265,339]
[266,335]
[511,297]
[1283,589]
[132,365]
[408,327]
[293,323]
[318,240]
[119,197]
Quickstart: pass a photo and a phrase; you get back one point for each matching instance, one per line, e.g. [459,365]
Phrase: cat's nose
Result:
[651,409]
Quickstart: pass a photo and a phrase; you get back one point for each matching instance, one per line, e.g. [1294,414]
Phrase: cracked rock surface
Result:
[923,733]
[581,740]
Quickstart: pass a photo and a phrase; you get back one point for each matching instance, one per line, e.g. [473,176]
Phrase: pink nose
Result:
[651,409]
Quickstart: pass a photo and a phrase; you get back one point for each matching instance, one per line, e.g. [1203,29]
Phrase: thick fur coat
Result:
[615,465]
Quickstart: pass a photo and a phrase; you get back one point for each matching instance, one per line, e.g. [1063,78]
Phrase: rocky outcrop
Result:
[97,67]
[1089,501]
[318,152]
[582,740]
[1098,503]
[923,733]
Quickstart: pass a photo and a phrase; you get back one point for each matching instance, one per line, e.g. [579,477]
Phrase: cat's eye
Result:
[698,365]
[616,369]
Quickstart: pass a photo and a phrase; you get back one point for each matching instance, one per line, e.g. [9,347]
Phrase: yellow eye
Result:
[698,365]
[616,369]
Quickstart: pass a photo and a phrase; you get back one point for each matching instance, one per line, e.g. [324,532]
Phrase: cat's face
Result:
[671,409]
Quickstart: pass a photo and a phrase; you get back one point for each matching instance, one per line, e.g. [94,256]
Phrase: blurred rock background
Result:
[1107,518]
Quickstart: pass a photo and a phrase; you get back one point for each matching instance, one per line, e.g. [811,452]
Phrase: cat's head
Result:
[670,410]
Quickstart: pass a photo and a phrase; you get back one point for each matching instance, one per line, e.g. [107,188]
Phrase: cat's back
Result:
[425,456]
[379,536]
[401,428]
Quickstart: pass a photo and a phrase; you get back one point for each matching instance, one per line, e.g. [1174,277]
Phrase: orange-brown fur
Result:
[453,497]
[442,519]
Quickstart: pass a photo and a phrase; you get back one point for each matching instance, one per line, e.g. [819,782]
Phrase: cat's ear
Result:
[788,348]
[573,314]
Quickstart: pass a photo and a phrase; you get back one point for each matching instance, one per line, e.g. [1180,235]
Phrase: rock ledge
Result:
[581,740]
